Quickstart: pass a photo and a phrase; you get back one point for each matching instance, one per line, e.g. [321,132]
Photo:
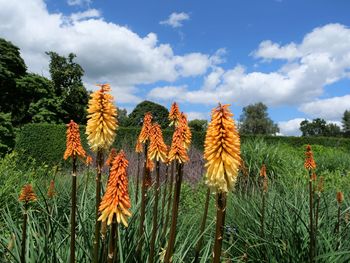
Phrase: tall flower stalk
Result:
[222,155]
[144,138]
[138,150]
[74,149]
[100,131]
[26,196]
[264,187]
[340,199]
[115,203]
[179,155]
[310,166]
[158,152]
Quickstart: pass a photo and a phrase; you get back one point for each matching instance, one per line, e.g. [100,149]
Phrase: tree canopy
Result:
[159,113]
[255,120]
[319,127]
[346,123]
[198,125]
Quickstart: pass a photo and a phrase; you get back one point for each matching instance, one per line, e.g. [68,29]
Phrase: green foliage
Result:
[159,113]
[319,127]
[12,66]
[66,76]
[255,120]
[346,123]
[7,133]
[122,117]
[198,125]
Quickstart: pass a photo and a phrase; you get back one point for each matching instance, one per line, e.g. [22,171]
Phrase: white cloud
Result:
[90,13]
[291,127]
[107,51]
[176,19]
[269,50]
[322,58]
[192,115]
[167,93]
[331,109]
[79,2]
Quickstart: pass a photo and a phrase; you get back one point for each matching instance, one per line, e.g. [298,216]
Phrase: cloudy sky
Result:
[293,55]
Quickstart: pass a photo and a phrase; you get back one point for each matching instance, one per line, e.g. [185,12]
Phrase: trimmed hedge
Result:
[47,142]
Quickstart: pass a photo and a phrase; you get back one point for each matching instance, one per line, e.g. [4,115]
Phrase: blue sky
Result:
[292,55]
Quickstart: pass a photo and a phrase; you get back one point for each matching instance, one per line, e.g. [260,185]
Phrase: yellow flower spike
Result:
[27,194]
[309,159]
[177,150]
[222,150]
[116,199]
[187,131]
[157,149]
[73,143]
[111,157]
[146,128]
[174,114]
[102,122]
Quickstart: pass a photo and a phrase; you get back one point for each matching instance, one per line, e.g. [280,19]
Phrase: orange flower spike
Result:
[149,165]
[73,144]
[102,119]
[157,149]
[187,131]
[27,194]
[340,197]
[111,157]
[177,150]
[51,191]
[146,128]
[222,150]
[138,147]
[116,200]
[174,114]
[309,159]
[88,160]
[263,171]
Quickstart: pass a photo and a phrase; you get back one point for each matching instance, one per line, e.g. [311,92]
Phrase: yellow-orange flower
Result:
[340,197]
[146,128]
[177,150]
[138,147]
[102,121]
[309,159]
[187,131]
[111,157]
[222,150]
[51,191]
[116,200]
[88,160]
[73,144]
[27,194]
[157,149]
[174,114]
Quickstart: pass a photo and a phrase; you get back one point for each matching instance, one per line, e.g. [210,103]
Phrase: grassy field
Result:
[286,214]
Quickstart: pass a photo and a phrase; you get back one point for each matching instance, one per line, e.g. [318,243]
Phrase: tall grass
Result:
[286,217]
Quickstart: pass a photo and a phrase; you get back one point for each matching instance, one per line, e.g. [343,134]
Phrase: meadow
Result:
[284,237]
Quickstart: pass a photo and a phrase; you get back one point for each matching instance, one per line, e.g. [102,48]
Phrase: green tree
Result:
[159,113]
[33,90]
[122,117]
[7,133]
[66,76]
[198,125]
[12,67]
[346,123]
[319,127]
[255,120]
